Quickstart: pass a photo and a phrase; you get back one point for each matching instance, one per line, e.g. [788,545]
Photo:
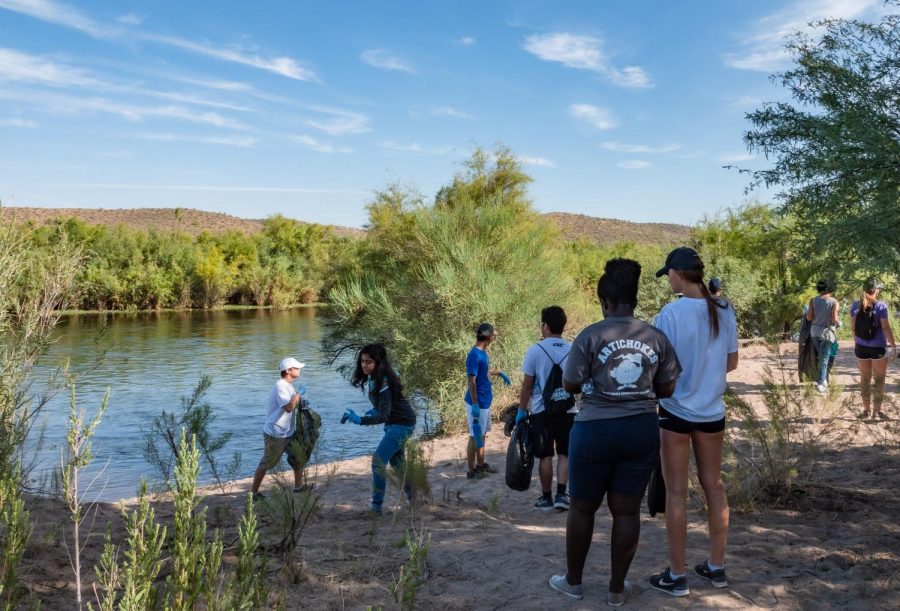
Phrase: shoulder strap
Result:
[550,357]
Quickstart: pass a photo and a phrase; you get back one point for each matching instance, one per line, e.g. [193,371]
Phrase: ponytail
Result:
[713,305]
[866,301]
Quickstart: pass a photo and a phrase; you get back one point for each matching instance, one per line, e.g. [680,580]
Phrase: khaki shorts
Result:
[276,446]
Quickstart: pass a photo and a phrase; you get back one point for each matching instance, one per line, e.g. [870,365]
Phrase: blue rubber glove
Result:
[521,415]
[370,414]
[475,411]
[351,416]
[502,375]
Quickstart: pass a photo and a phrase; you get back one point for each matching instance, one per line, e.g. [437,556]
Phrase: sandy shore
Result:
[836,546]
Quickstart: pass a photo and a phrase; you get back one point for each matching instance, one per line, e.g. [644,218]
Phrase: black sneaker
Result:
[485,468]
[664,582]
[716,578]
[545,503]
[561,502]
[476,474]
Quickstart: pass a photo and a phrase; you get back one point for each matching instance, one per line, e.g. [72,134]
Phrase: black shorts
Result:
[549,430]
[867,353]
[614,455]
[671,422]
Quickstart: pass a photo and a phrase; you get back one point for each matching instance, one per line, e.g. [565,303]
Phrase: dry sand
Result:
[835,546]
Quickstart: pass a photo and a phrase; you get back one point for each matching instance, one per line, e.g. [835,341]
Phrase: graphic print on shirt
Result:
[629,370]
[623,362]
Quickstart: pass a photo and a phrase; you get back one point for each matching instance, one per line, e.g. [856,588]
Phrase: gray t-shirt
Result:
[823,315]
[616,361]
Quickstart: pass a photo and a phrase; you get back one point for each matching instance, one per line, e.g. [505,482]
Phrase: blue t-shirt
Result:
[478,365]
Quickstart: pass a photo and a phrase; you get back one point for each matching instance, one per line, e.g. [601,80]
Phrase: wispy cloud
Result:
[464,41]
[380,58]
[449,111]
[736,157]
[639,149]
[26,68]
[239,141]
[216,188]
[17,122]
[61,14]
[541,162]
[763,49]
[634,164]
[585,53]
[415,147]
[598,117]
[339,122]
[319,146]
[131,19]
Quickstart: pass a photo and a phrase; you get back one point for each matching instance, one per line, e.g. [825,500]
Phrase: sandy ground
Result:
[836,545]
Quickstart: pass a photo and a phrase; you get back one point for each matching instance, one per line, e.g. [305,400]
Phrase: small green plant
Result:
[291,513]
[494,503]
[415,471]
[414,572]
[249,588]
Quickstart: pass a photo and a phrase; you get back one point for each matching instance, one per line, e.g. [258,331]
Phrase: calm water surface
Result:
[155,359]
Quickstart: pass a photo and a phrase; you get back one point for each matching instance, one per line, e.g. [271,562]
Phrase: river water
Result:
[154,359]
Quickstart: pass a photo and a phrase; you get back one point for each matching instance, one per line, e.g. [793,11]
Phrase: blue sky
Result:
[622,110]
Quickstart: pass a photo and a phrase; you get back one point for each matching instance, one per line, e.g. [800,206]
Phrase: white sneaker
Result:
[822,388]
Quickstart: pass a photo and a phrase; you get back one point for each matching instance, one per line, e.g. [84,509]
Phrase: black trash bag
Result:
[520,458]
[656,490]
[807,355]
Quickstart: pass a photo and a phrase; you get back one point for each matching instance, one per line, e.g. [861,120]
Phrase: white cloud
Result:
[17,122]
[18,66]
[634,164]
[60,14]
[464,41]
[736,157]
[131,19]
[339,122]
[240,141]
[380,58]
[319,146]
[449,111]
[585,53]
[415,147]
[542,162]
[598,117]
[763,50]
[639,149]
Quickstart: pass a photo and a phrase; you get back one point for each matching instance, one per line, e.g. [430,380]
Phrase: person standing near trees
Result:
[703,331]
[280,426]
[823,314]
[375,377]
[478,398]
[622,366]
[871,335]
[550,423]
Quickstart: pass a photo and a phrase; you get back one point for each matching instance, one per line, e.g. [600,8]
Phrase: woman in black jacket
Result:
[375,377]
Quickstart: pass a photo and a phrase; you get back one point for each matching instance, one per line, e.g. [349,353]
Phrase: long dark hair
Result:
[695,276]
[382,372]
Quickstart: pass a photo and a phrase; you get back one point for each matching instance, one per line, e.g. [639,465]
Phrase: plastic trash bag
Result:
[520,458]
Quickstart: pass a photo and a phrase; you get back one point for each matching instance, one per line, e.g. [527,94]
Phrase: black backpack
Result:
[866,324]
[520,458]
[557,400]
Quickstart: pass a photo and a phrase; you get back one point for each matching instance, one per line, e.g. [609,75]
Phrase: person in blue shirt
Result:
[478,398]
[375,377]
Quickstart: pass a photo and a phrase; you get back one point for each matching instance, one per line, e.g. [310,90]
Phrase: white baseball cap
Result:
[290,363]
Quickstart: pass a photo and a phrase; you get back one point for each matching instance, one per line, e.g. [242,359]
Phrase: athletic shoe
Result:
[561,584]
[664,582]
[545,503]
[822,389]
[258,496]
[617,599]
[476,474]
[485,468]
[375,510]
[717,577]
[561,502]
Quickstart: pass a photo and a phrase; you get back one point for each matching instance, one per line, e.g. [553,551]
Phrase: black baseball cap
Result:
[682,258]
[871,284]
[715,284]
[485,329]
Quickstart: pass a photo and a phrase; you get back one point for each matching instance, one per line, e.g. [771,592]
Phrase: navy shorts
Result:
[614,455]
[671,422]
[550,432]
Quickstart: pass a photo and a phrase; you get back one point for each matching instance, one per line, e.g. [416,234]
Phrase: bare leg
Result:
[865,384]
[708,454]
[562,469]
[626,530]
[545,474]
[675,451]
[258,476]
[579,532]
[480,451]
[298,478]
[879,371]
[470,453]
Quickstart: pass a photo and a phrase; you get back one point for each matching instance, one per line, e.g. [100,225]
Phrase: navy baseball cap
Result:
[715,284]
[682,258]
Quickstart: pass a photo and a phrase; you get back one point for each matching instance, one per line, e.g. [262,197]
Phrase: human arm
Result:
[889,335]
[810,312]
[381,407]
[525,397]
[288,397]
[473,394]
[502,375]
[836,313]
[732,362]
[664,390]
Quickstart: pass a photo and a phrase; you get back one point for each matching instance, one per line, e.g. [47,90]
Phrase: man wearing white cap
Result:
[279,427]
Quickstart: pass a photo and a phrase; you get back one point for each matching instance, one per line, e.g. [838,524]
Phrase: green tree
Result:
[836,148]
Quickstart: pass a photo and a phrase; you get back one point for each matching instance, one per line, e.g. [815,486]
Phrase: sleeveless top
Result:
[823,314]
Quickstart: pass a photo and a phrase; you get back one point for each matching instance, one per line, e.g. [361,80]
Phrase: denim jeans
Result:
[823,347]
[388,452]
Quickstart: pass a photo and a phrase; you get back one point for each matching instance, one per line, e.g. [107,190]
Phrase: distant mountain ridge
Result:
[191,221]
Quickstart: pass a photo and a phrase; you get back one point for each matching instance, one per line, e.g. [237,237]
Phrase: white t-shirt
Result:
[538,365]
[279,423]
[703,358]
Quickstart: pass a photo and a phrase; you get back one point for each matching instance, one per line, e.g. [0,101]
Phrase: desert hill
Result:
[188,220]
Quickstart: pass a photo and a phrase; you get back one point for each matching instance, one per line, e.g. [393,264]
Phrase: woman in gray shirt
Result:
[823,314]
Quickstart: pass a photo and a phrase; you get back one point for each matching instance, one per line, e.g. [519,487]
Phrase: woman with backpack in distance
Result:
[375,377]
[622,366]
[871,335]
[703,330]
